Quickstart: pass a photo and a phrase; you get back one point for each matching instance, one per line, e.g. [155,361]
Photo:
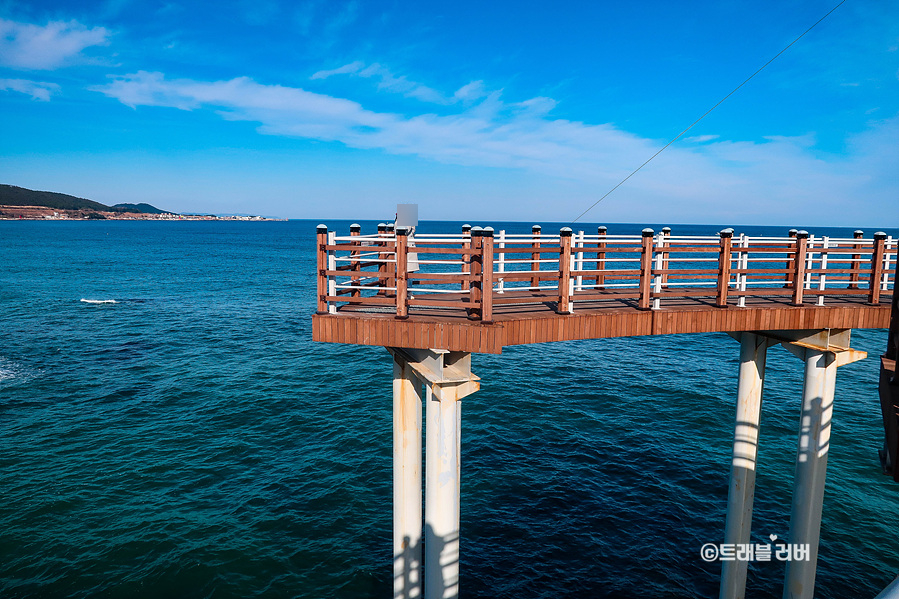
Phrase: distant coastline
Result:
[44,213]
[18,203]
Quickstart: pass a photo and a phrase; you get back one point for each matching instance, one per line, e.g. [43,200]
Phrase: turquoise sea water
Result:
[190,440]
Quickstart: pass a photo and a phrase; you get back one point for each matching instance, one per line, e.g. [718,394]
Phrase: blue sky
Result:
[475,110]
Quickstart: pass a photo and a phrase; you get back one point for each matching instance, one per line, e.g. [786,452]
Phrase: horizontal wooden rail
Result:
[480,268]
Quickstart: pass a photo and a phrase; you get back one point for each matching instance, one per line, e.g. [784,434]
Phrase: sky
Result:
[476,111]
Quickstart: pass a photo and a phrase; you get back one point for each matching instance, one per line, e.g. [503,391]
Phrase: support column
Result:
[741,493]
[447,378]
[442,494]
[822,351]
[407,532]
[811,470]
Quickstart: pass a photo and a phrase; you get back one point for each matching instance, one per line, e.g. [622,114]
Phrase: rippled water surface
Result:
[190,440]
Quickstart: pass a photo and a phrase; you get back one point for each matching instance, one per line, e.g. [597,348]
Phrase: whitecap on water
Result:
[99,301]
[12,373]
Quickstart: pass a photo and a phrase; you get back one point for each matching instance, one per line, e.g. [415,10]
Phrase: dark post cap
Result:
[476,231]
[880,235]
[402,231]
[382,227]
[565,232]
[390,226]
[355,228]
[792,232]
[536,228]
[602,229]
[666,230]
[321,229]
[802,234]
[858,233]
[725,233]
[648,232]
[466,228]
[487,232]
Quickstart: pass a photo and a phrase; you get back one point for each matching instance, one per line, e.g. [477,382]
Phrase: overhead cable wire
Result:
[681,134]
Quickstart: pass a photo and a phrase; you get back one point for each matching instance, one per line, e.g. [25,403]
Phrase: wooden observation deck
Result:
[432,300]
[478,291]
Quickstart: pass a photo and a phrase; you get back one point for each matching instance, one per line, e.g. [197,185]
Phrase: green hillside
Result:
[144,208]
[10,195]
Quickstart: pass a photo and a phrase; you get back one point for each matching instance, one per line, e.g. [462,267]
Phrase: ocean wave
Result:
[12,372]
[96,301]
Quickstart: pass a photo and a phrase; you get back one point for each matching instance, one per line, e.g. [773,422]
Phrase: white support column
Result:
[407,533]
[741,493]
[811,470]
[442,495]
[822,351]
[447,378]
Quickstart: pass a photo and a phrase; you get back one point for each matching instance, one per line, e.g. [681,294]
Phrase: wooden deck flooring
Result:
[538,322]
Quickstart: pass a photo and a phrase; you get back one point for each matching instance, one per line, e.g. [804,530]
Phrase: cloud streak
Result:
[38,90]
[57,44]
[776,174]
[347,69]
[387,81]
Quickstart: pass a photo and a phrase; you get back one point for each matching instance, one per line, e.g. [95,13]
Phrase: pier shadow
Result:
[408,579]
[748,457]
[444,578]
[818,432]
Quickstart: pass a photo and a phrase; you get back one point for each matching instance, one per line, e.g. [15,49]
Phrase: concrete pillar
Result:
[447,378]
[442,496]
[811,469]
[741,493]
[407,534]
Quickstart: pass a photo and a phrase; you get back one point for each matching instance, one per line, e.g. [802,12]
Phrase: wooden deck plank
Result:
[609,317]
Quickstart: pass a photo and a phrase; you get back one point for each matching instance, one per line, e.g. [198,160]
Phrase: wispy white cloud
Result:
[401,85]
[773,176]
[38,90]
[353,67]
[471,92]
[387,81]
[57,44]
[699,139]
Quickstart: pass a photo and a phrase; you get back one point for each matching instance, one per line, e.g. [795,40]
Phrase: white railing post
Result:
[809,262]
[822,277]
[659,265]
[742,264]
[332,265]
[501,261]
[885,278]
[579,261]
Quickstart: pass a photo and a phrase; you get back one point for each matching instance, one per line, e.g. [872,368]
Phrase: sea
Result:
[168,428]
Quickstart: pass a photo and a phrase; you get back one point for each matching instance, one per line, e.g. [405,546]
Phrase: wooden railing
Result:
[477,269]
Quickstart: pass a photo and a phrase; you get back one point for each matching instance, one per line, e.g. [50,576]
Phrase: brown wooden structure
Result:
[478,291]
